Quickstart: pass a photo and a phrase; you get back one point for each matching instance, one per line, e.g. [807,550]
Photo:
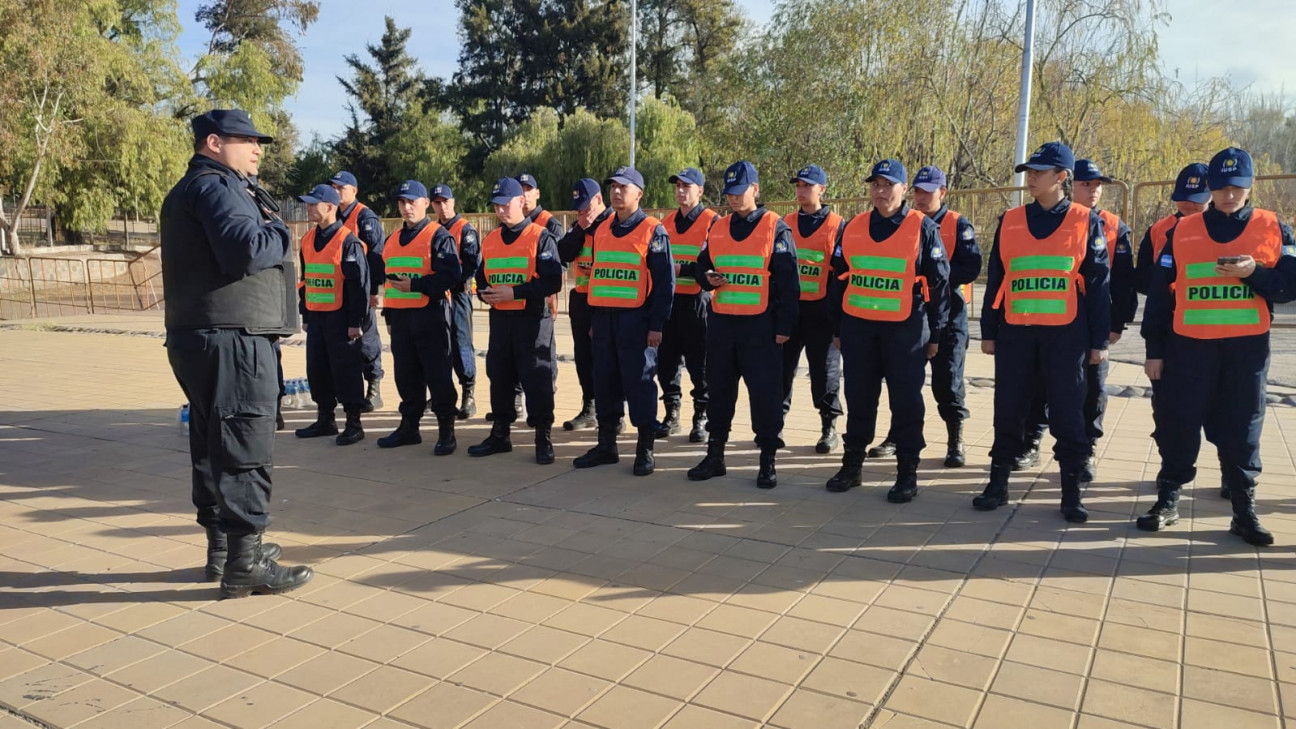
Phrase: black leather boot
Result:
[325,424]
[1165,512]
[584,420]
[1030,457]
[827,435]
[544,452]
[698,433]
[497,442]
[955,452]
[446,442]
[1245,523]
[643,462]
[218,551]
[906,484]
[373,396]
[468,403]
[882,450]
[407,433]
[1089,471]
[851,474]
[767,477]
[248,571]
[711,466]
[995,494]
[353,432]
[1072,510]
[604,453]
[671,424]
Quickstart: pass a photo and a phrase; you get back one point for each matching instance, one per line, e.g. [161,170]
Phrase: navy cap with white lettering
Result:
[1190,186]
[1049,156]
[526,179]
[411,190]
[505,190]
[1086,170]
[930,179]
[321,194]
[1230,167]
[227,123]
[583,192]
[811,175]
[889,169]
[442,192]
[739,176]
[344,178]
[689,176]
[625,176]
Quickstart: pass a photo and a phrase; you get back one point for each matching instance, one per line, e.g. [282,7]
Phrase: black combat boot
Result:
[353,432]
[698,433]
[373,396]
[827,435]
[714,463]
[407,433]
[955,452]
[882,450]
[1245,523]
[1072,510]
[249,571]
[544,452]
[468,404]
[604,453]
[643,462]
[1030,457]
[906,484]
[584,420]
[446,442]
[851,474]
[1089,471]
[325,424]
[995,494]
[767,477]
[1165,512]
[218,550]
[671,424]
[497,442]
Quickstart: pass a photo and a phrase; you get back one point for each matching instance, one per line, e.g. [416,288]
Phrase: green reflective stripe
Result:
[613,292]
[627,257]
[312,298]
[813,256]
[1201,270]
[586,252]
[809,287]
[738,298]
[495,264]
[735,261]
[1227,317]
[405,262]
[582,280]
[1041,263]
[873,302]
[1038,306]
[319,268]
[682,251]
[879,263]
[394,294]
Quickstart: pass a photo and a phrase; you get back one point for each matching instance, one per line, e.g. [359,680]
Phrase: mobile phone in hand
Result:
[393,277]
[1229,260]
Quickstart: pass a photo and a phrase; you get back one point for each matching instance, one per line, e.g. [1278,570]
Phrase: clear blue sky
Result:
[1199,43]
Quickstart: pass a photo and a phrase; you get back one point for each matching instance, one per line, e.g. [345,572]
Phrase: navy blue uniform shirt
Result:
[573,242]
[369,229]
[785,278]
[965,261]
[683,222]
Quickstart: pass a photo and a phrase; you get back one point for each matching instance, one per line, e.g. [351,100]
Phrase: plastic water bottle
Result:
[182,420]
[305,393]
[294,394]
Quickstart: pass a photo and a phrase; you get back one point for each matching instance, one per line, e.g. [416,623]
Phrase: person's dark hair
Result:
[1067,183]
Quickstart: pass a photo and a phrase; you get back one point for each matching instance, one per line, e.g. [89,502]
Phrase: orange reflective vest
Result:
[352,223]
[543,218]
[882,275]
[1111,231]
[1039,274]
[413,258]
[745,264]
[580,268]
[1160,233]
[620,278]
[512,264]
[1210,306]
[814,254]
[949,241]
[686,246]
[322,276]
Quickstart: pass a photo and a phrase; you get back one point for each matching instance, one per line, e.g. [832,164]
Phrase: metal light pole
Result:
[634,42]
[1023,109]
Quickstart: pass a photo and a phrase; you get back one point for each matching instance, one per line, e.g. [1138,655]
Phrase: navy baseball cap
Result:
[888,169]
[811,175]
[1190,186]
[1086,170]
[1049,156]
[528,180]
[1230,168]
[626,176]
[412,190]
[583,192]
[930,179]
[344,178]
[322,194]
[739,176]
[505,190]
[227,123]
[442,191]
[689,176]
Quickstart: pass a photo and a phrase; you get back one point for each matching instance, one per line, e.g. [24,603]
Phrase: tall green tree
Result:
[685,47]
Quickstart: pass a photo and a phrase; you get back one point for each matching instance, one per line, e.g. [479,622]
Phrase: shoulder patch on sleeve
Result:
[350,258]
[1122,248]
[470,237]
[656,246]
[1289,250]
[1099,243]
[780,247]
[545,255]
[1167,261]
[968,233]
[837,251]
[937,253]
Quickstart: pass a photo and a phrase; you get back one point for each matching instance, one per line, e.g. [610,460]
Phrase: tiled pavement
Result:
[495,593]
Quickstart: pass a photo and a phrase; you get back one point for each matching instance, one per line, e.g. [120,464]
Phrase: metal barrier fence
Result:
[38,286]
